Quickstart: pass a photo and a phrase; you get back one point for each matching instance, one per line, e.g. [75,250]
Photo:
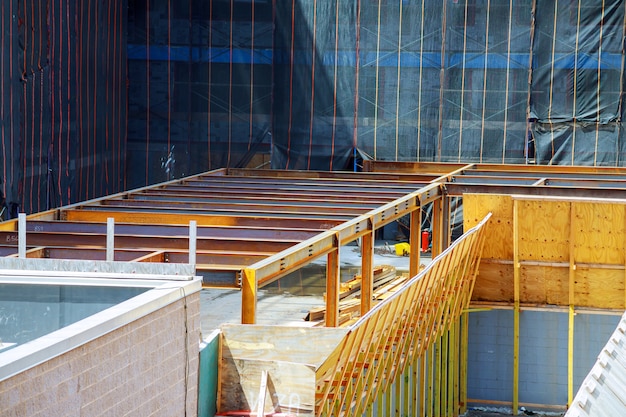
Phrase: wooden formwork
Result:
[350,369]
[551,251]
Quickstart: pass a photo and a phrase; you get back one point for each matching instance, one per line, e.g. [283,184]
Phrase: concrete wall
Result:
[148,367]
[543,354]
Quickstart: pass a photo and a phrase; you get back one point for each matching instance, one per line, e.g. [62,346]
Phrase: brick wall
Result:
[146,368]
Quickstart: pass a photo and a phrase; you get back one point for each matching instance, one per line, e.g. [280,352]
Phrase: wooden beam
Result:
[248,296]
[415,232]
[333,281]
[516,310]
[367,272]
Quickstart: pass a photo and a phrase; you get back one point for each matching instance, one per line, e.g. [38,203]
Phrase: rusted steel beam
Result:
[203,218]
[240,208]
[172,230]
[239,192]
[443,167]
[280,264]
[288,188]
[213,198]
[147,242]
[330,175]
[458,189]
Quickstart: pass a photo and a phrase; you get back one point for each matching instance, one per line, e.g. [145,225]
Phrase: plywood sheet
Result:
[281,343]
[599,288]
[543,230]
[499,240]
[494,282]
[290,387]
[598,233]
[544,285]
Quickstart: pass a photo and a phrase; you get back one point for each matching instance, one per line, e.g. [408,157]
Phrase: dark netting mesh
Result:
[62,101]
[102,95]
[577,83]
[314,84]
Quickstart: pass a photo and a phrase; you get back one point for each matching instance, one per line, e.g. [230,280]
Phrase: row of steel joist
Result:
[255,226]
[242,216]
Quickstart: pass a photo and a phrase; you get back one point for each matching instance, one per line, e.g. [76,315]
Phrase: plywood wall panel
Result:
[494,283]
[557,237]
[544,231]
[599,288]
[498,244]
[598,233]
[544,285]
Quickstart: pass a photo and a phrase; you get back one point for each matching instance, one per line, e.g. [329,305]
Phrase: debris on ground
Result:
[506,412]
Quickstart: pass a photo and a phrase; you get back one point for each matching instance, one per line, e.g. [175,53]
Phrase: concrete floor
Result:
[288,300]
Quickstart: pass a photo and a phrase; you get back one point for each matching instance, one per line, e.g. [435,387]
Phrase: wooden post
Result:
[248,296]
[570,327]
[516,308]
[463,362]
[333,280]
[436,226]
[367,271]
[414,242]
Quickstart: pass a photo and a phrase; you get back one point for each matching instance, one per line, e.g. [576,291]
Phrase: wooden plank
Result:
[499,244]
[599,233]
[544,230]
[599,288]
[494,282]
[544,285]
[333,280]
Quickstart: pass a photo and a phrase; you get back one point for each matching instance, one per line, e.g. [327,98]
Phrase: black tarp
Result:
[62,101]
[577,83]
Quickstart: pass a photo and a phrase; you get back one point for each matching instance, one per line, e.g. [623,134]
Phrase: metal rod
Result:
[193,236]
[110,239]
[21,228]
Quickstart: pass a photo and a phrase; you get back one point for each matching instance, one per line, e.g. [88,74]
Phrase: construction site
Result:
[312,208]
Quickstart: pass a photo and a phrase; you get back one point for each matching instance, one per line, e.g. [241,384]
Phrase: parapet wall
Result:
[148,367]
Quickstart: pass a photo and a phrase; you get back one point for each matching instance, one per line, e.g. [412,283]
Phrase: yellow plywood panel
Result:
[598,233]
[494,282]
[544,285]
[599,288]
[499,240]
[544,230]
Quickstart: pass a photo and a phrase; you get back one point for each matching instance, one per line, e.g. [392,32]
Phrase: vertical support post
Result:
[110,257]
[421,386]
[248,296]
[463,362]
[445,364]
[445,221]
[193,237]
[452,371]
[572,313]
[367,271]
[430,366]
[333,280]
[516,308]
[21,235]
[437,226]
[397,385]
[437,370]
[414,242]
[441,224]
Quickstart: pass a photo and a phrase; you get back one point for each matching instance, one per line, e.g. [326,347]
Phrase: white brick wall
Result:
[139,369]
